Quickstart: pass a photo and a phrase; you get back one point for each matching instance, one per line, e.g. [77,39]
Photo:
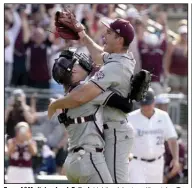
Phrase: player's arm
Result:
[171,138]
[100,82]
[114,100]
[119,102]
[95,50]
[77,97]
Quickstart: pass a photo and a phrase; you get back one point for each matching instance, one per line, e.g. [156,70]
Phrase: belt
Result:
[67,120]
[81,148]
[147,160]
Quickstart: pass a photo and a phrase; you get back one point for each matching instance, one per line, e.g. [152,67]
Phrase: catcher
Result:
[115,74]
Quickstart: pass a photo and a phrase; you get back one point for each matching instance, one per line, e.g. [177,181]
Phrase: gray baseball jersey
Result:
[87,166]
[88,133]
[115,75]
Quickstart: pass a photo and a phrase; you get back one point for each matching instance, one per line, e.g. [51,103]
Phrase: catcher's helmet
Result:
[62,70]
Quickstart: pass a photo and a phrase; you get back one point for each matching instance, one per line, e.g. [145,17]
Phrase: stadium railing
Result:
[178,107]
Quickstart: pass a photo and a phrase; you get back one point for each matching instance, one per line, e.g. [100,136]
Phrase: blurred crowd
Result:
[51,138]
[31,47]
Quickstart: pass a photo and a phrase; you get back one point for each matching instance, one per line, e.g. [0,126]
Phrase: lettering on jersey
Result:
[160,140]
[141,132]
[99,75]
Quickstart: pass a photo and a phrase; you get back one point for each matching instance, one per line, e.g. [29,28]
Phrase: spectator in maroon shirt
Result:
[21,148]
[152,51]
[38,59]
[152,48]
[19,75]
[176,64]
[170,177]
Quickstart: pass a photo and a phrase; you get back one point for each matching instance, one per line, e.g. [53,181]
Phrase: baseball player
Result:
[153,126]
[85,162]
[115,74]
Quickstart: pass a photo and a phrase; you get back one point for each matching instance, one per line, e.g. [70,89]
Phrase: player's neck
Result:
[147,114]
[120,51]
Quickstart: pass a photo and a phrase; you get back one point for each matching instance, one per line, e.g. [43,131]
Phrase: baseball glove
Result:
[140,83]
[67,26]
[66,33]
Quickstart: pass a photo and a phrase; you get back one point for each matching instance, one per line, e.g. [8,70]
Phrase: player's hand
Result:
[51,110]
[175,166]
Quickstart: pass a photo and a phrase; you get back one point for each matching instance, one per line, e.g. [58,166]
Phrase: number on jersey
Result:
[160,140]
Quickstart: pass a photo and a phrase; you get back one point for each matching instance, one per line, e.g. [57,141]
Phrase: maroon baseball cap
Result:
[123,28]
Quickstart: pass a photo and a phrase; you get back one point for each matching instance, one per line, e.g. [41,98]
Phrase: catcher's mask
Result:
[84,61]
[62,69]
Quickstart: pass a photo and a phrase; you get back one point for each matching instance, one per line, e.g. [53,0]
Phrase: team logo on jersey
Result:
[99,75]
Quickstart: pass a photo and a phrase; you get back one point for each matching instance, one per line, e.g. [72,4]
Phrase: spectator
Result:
[19,75]
[12,27]
[48,165]
[16,112]
[21,148]
[162,102]
[134,17]
[39,18]
[176,62]
[152,50]
[170,177]
[37,54]
[56,137]
[182,22]
[104,9]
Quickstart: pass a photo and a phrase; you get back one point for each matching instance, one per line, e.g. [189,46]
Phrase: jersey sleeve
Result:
[169,128]
[109,75]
